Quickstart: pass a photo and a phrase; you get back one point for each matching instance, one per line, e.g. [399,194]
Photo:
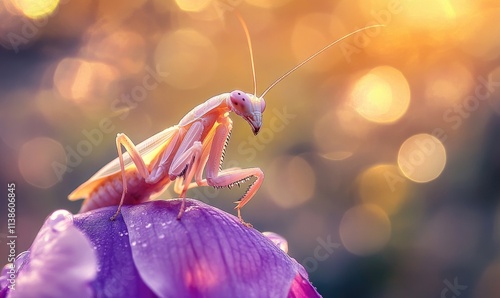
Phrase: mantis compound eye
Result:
[262,105]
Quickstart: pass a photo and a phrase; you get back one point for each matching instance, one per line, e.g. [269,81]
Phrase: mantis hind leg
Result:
[186,161]
[187,167]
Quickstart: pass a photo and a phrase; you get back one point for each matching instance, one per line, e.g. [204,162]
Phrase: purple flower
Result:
[147,252]
[60,263]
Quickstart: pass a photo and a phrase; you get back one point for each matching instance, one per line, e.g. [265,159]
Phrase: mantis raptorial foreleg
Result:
[230,177]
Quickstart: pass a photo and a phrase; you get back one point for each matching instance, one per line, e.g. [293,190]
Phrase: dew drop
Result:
[148,226]
[161,236]
[134,243]
[59,216]
[144,245]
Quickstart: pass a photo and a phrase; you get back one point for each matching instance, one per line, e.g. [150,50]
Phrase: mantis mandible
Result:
[183,152]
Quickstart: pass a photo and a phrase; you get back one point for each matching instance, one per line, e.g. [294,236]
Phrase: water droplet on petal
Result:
[144,245]
[134,243]
[278,240]
[161,236]
[148,226]
[58,217]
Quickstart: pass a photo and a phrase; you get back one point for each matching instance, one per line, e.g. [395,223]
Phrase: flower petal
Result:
[117,275]
[301,287]
[207,253]
[61,262]
[147,252]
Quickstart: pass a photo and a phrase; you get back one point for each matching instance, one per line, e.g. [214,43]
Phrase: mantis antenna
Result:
[316,54]
[249,41]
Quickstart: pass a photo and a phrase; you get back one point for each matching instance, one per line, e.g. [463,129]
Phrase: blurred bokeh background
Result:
[381,156]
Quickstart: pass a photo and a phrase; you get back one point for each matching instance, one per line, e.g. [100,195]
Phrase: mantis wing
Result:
[148,149]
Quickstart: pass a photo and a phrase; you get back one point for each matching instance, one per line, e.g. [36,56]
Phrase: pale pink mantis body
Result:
[183,152]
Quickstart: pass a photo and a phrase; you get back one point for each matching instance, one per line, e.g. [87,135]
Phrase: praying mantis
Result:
[184,151]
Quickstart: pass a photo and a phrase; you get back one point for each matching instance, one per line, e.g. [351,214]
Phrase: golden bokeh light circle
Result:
[35,9]
[382,95]
[422,158]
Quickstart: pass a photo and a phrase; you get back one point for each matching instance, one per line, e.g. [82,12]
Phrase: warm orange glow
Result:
[376,98]
[125,50]
[267,3]
[365,229]
[384,186]
[436,14]
[342,143]
[382,95]
[70,78]
[480,37]
[81,80]
[448,84]
[189,57]
[308,36]
[40,162]
[422,158]
[193,5]
[108,11]
[35,9]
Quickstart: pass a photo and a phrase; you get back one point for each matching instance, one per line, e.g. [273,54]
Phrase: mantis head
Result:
[249,107]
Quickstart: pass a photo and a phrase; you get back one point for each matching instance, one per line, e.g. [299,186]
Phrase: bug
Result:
[184,151]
